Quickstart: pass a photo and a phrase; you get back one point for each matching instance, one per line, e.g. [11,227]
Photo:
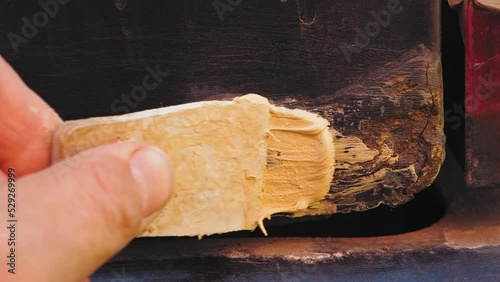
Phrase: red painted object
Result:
[482,45]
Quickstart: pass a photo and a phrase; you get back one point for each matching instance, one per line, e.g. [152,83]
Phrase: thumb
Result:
[77,214]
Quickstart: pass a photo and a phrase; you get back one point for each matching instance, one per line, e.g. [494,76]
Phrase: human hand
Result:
[70,224]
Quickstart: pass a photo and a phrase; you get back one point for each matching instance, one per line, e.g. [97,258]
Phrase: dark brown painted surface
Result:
[371,67]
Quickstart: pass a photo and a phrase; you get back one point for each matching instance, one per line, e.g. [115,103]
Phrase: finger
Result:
[77,214]
[27,125]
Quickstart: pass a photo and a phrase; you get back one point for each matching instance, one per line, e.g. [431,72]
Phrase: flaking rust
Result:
[388,134]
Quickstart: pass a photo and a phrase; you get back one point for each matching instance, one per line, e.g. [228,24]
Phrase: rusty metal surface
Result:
[396,110]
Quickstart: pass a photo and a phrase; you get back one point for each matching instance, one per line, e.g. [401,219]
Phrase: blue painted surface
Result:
[432,265]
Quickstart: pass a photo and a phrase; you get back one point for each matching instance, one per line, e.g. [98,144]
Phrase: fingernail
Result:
[152,171]
[148,220]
